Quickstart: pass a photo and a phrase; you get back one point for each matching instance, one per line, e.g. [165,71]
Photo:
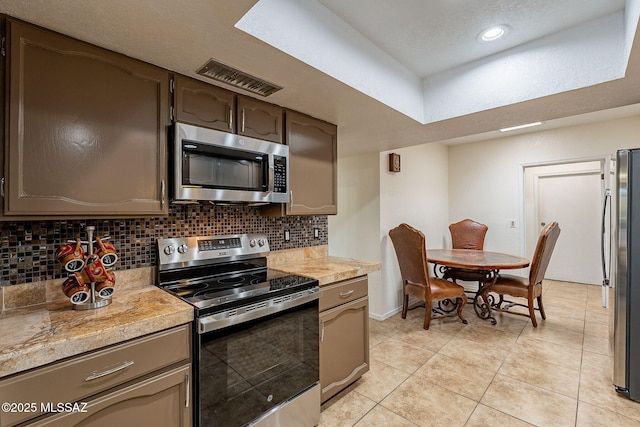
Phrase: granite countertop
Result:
[327,269]
[37,335]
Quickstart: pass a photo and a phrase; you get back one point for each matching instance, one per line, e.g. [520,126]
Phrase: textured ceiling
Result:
[181,36]
[432,36]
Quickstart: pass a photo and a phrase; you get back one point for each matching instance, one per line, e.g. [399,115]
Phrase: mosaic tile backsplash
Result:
[28,247]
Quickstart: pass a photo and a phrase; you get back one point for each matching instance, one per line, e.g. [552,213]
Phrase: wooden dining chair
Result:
[411,250]
[467,234]
[528,287]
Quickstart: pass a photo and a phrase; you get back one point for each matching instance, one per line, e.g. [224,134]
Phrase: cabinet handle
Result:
[242,120]
[230,118]
[346,294]
[186,382]
[109,371]
[322,330]
[291,196]
[162,193]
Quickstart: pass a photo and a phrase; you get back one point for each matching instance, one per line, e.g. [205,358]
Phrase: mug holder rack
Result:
[95,300]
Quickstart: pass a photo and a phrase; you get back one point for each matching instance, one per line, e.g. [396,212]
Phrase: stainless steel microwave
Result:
[223,167]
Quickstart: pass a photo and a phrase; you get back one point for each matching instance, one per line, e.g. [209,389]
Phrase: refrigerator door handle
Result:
[605,273]
[603,253]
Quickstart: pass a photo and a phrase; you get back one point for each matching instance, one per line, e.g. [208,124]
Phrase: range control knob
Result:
[261,242]
[169,250]
[183,248]
[252,243]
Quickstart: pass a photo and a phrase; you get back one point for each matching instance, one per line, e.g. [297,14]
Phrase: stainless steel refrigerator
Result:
[626,309]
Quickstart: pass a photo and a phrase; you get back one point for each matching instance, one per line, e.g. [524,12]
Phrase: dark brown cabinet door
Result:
[202,104]
[86,129]
[313,165]
[259,119]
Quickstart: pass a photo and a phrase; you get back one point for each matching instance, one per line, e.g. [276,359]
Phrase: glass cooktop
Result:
[222,292]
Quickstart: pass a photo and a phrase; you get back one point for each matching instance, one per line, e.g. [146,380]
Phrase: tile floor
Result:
[510,374]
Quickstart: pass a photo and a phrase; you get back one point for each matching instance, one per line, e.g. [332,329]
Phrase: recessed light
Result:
[528,125]
[493,33]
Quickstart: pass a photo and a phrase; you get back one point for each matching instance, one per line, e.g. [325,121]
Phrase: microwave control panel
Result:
[279,174]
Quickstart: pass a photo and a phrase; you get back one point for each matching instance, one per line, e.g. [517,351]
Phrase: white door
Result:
[574,200]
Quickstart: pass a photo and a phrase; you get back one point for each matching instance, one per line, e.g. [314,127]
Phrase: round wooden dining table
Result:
[487,262]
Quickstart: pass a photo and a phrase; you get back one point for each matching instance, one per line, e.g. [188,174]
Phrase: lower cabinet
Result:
[162,400]
[344,334]
[145,381]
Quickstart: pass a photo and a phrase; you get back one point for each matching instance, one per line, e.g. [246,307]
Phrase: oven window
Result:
[248,369]
[225,168]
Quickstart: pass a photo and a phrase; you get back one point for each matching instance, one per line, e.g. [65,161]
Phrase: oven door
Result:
[248,372]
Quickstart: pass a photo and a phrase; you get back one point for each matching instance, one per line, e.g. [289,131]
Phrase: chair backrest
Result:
[468,234]
[542,254]
[410,246]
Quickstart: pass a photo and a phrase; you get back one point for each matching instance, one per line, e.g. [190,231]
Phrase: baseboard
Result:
[386,315]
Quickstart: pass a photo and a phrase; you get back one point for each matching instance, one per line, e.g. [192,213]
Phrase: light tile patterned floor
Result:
[510,374]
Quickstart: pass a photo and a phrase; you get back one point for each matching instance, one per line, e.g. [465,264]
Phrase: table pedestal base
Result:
[482,300]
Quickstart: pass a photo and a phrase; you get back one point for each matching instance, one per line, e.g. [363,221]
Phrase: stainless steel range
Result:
[256,332]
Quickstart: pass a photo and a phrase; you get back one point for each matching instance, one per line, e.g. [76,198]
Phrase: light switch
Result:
[287,235]
[316,233]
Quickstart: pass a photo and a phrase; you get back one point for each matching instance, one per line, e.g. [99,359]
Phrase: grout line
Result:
[519,335]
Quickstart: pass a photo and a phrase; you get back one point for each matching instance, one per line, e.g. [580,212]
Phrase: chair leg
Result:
[541,307]
[462,300]
[405,306]
[427,314]
[532,313]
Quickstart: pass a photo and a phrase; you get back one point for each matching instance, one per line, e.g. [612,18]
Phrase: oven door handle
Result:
[260,309]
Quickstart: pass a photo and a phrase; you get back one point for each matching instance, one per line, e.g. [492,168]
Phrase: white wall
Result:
[441,184]
[417,195]
[372,200]
[484,177]
[353,233]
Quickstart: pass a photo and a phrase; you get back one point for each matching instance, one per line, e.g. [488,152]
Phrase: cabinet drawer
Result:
[160,401]
[343,292]
[91,373]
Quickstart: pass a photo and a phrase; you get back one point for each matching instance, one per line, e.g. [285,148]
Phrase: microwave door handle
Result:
[267,174]
[242,120]
[230,118]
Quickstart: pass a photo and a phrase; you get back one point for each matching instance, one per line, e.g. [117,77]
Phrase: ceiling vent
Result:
[229,75]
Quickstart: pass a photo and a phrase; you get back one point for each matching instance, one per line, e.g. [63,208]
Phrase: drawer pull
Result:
[346,294]
[109,371]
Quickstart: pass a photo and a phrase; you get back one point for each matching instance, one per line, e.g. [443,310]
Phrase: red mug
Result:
[71,256]
[106,251]
[106,288]
[94,269]
[77,292]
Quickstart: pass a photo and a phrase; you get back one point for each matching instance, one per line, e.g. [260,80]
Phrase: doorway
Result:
[571,194]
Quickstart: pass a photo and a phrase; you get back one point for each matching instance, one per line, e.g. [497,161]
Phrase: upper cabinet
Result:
[259,119]
[86,129]
[202,104]
[312,167]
